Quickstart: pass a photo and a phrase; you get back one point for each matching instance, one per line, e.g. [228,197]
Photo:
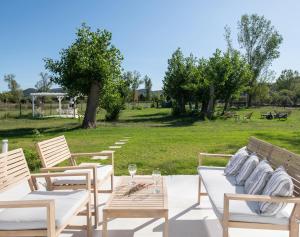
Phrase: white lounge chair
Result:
[32,212]
[54,151]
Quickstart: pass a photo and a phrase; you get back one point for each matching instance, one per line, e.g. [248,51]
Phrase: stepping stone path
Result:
[115,147]
[99,157]
[120,143]
[103,157]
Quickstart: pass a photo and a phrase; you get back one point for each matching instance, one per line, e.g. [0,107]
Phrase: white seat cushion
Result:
[103,171]
[216,184]
[66,204]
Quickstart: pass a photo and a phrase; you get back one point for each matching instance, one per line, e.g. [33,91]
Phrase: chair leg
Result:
[225,231]
[96,210]
[112,182]
[294,229]
[199,190]
[89,220]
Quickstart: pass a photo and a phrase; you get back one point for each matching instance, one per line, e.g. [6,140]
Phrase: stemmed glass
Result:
[132,171]
[156,175]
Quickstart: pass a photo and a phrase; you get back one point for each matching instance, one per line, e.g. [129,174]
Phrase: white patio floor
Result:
[186,218]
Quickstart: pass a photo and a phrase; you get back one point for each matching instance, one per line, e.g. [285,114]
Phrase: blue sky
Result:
[146,32]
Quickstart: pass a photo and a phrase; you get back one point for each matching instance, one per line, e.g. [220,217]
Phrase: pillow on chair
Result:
[280,184]
[236,162]
[257,181]
[247,169]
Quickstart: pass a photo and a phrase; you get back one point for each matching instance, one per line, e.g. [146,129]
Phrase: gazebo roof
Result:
[48,94]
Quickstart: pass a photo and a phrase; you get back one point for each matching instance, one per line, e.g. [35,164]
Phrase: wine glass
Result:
[156,175]
[132,171]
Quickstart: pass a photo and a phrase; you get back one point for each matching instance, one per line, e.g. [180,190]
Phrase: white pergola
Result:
[59,96]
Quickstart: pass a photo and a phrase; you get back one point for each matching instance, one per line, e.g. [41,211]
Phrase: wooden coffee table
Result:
[145,203]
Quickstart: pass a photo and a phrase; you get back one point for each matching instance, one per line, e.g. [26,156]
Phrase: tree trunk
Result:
[196,105]
[225,106]
[89,120]
[190,105]
[249,100]
[211,103]
[182,106]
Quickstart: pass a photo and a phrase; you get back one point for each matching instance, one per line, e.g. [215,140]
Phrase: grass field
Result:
[158,139]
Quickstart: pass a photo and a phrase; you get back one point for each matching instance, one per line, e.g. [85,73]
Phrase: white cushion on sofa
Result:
[66,204]
[216,184]
[102,172]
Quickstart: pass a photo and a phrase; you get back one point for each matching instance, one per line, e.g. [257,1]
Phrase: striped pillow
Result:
[247,169]
[280,184]
[259,178]
[236,162]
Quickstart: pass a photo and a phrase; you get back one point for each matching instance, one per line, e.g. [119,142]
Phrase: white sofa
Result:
[236,209]
[217,184]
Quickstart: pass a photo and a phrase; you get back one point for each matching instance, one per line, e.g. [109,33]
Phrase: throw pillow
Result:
[259,178]
[236,162]
[280,184]
[247,169]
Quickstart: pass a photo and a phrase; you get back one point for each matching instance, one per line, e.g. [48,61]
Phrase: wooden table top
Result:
[139,196]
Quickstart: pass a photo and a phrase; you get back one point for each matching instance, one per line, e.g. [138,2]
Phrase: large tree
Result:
[15,91]
[86,66]
[135,83]
[44,84]
[237,76]
[175,81]
[148,87]
[260,41]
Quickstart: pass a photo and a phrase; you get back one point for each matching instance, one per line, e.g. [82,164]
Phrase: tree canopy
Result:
[15,92]
[260,41]
[44,84]
[86,66]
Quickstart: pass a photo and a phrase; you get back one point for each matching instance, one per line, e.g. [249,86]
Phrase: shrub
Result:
[33,161]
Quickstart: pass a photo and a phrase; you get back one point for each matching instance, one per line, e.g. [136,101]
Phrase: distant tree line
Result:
[225,75]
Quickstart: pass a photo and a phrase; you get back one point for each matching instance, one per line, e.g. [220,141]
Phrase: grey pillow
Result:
[236,162]
[247,169]
[259,178]
[280,184]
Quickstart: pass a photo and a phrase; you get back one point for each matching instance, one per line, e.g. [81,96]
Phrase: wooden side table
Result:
[144,203]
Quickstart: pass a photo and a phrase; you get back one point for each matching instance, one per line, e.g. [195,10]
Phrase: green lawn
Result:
[158,139]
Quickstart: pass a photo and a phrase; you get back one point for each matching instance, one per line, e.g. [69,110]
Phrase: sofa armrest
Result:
[201,155]
[260,198]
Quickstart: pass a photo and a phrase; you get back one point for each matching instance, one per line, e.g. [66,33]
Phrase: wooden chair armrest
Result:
[261,198]
[101,153]
[87,175]
[214,155]
[26,203]
[210,155]
[63,168]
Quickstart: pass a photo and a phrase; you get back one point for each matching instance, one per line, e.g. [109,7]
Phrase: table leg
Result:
[104,225]
[166,226]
